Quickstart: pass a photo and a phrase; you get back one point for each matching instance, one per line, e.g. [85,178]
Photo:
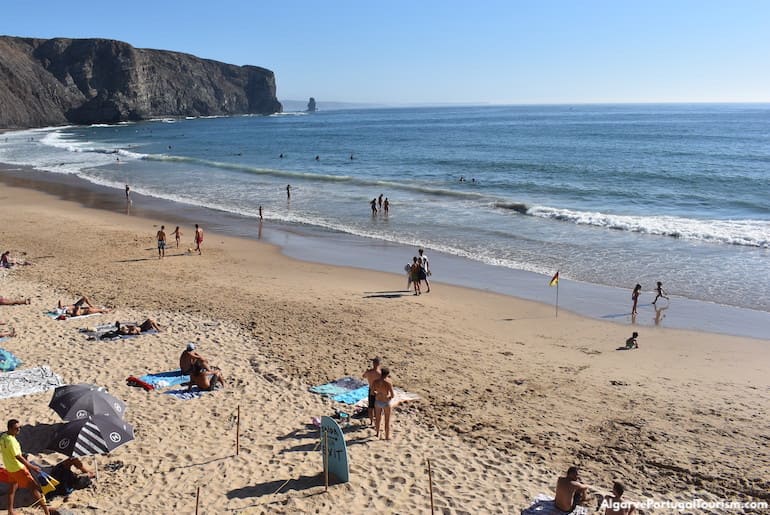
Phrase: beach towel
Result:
[59,314]
[183,394]
[399,396]
[8,361]
[161,380]
[99,332]
[544,505]
[28,381]
[339,387]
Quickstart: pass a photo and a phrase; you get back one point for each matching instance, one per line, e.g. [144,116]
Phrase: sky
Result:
[448,52]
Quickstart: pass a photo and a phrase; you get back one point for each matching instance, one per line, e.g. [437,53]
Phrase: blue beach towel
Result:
[340,386]
[8,361]
[352,396]
[161,380]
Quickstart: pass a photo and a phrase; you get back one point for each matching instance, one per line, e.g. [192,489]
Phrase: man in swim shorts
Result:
[162,242]
[372,375]
[19,468]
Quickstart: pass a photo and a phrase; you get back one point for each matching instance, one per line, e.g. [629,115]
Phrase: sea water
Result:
[609,195]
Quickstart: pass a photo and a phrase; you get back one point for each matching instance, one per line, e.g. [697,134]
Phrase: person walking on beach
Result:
[128,193]
[383,395]
[424,268]
[659,292]
[288,191]
[161,242]
[260,213]
[415,274]
[198,239]
[635,297]
[18,468]
[177,235]
[371,375]
[373,203]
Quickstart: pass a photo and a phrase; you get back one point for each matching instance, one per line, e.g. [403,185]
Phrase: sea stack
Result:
[311,105]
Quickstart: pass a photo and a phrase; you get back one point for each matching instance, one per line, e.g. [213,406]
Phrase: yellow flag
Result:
[554,279]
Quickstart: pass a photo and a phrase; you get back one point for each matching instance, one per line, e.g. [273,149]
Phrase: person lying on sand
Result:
[570,492]
[131,329]
[5,301]
[82,307]
[206,379]
[70,480]
[8,334]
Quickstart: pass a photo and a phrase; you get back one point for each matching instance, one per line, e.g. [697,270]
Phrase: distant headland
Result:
[83,81]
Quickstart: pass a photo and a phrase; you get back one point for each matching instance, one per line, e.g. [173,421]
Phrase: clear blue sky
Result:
[426,51]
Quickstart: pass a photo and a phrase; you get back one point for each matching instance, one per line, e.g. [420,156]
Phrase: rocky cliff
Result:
[58,81]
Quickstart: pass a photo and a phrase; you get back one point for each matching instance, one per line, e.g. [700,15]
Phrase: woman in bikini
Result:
[635,297]
[82,307]
[383,395]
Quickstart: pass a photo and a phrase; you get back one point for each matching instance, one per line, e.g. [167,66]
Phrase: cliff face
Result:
[82,81]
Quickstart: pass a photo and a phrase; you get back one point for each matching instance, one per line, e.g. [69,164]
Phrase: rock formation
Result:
[83,81]
[311,105]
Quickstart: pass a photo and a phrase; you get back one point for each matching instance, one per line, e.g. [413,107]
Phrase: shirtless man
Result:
[569,491]
[614,504]
[383,394]
[189,357]
[82,307]
[161,242]
[372,375]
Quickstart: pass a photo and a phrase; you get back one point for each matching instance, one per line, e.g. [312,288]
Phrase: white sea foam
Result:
[752,233]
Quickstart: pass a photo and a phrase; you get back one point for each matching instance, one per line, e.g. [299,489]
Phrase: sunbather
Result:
[82,307]
[206,379]
[131,329]
[5,301]
[8,334]
[7,262]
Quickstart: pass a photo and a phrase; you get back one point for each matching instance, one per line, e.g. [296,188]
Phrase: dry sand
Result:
[512,395]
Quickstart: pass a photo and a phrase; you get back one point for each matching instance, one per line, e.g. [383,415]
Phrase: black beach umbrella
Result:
[97,434]
[75,401]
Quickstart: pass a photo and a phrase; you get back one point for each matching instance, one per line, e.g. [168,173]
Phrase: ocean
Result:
[608,195]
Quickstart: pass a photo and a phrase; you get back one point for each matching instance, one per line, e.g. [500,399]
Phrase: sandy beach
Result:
[512,395]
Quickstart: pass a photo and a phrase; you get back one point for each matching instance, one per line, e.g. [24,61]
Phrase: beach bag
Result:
[8,362]
[48,483]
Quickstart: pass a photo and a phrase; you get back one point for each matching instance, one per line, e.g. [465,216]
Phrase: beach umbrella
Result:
[75,401]
[96,434]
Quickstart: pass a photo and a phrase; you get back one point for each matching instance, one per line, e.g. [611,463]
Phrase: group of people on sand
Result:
[6,261]
[206,377]
[160,236]
[659,293]
[418,271]
[571,492]
[21,472]
[381,395]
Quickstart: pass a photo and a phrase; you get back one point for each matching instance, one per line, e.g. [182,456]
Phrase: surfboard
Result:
[336,455]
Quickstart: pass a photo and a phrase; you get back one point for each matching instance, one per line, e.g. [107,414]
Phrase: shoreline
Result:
[325,247]
[512,395]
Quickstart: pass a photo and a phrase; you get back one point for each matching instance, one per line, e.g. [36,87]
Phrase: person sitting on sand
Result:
[631,343]
[5,301]
[189,357]
[570,492]
[82,307]
[7,262]
[70,481]
[383,395]
[205,378]
[614,504]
